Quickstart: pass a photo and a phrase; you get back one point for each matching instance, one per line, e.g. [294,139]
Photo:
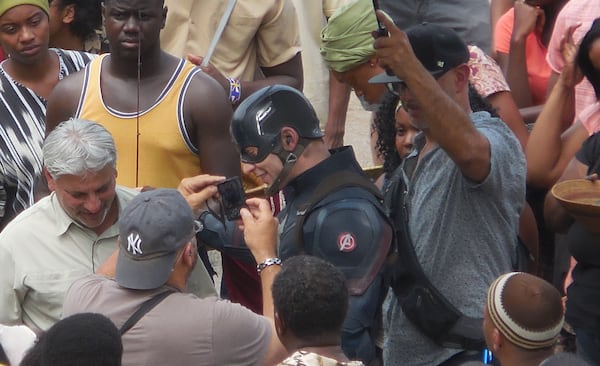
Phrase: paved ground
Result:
[357,135]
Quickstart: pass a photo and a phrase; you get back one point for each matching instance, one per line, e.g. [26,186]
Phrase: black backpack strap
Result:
[423,304]
[144,309]
[331,184]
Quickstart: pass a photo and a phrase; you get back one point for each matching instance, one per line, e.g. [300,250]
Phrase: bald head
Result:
[526,309]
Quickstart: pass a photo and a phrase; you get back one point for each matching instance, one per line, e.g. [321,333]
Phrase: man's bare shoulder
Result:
[205,94]
[203,83]
[73,83]
[63,101]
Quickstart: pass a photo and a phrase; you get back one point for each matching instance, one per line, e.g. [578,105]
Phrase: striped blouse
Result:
[22,130]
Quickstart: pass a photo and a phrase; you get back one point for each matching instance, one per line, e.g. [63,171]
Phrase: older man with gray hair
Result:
[69,233]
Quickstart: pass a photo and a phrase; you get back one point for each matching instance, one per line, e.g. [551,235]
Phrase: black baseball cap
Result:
[438,48]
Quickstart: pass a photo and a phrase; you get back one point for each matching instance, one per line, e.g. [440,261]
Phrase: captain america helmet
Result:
[258,120]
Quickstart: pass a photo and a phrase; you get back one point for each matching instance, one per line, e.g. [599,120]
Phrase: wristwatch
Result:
[268,262]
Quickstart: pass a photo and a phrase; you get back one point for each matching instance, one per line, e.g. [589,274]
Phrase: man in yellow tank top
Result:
[169,119]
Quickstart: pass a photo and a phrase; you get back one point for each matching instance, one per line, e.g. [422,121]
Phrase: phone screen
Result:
[232,197]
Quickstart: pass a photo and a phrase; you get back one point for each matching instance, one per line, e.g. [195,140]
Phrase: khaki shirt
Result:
[259,33]
[43,251]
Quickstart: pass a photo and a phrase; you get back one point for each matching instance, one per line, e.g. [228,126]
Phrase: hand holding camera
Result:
[260,229]
[233,197]
[198,190]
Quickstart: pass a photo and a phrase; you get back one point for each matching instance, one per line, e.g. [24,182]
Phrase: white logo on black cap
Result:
[134,243]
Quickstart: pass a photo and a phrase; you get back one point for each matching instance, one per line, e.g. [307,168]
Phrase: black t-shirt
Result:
[583,304]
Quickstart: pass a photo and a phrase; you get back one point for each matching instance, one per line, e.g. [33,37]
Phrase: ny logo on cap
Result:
[134,243]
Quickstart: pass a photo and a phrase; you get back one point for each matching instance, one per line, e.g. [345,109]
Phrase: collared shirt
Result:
[464,234]
[43,251]
[259,33]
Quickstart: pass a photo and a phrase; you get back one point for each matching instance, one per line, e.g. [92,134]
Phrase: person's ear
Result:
[50,180]
[289,138]
[187,255]
[68,14]
[462,74]
[497,340]
[373,61]
[164,19]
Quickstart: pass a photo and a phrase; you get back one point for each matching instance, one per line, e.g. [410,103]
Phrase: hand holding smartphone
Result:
[381,29]
[232,197]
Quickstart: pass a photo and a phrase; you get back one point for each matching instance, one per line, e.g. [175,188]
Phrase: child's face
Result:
[405,133]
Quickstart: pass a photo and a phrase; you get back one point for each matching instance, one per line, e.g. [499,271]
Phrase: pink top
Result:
[574,12]
[486,75]
[538,71]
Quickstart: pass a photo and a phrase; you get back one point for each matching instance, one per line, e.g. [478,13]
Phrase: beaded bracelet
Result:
[268,262]
[235,90]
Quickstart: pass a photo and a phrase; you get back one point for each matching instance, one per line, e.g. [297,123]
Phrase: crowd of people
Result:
[121,120]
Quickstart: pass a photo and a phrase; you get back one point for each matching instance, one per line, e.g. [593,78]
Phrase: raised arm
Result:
[497,9]
[510,43]
[260,234]
[277,47]
[551,145]
[449,123]
[339,98]
[287,73]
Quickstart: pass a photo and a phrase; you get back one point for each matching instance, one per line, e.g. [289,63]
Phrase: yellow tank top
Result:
[164,153]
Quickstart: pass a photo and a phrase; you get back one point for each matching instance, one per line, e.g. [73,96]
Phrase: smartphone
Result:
[232,197]
[381,29]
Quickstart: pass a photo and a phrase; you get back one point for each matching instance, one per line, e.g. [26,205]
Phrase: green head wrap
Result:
[6,5]
[346,39]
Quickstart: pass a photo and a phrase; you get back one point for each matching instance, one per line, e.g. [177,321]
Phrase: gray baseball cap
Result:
[152,228]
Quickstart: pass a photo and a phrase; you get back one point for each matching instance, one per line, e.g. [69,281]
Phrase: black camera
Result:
[232,197]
